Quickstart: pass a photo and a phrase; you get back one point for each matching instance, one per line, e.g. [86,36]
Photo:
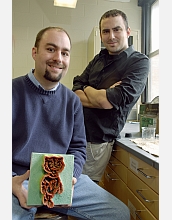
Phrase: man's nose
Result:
[111,34]
[58,56]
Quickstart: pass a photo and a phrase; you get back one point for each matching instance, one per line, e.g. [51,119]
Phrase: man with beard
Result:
[48,118]
[108,88]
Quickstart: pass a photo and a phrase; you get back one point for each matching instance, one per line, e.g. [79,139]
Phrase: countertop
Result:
[131,147]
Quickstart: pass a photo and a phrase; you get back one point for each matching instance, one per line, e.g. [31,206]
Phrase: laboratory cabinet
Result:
[134,182]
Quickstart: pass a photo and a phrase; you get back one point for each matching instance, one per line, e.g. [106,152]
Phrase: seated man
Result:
[48,118]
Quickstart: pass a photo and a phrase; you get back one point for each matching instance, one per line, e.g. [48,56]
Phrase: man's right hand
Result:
[115,84]
[93,98]
[19,191]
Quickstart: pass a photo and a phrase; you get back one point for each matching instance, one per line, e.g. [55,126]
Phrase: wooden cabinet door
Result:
[121,155]
[119,168]
[137,209]
[115,185]
[144,193]
[145,172]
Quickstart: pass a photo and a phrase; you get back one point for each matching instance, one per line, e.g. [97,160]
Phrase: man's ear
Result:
[100,37]
[128,31]
[34,52]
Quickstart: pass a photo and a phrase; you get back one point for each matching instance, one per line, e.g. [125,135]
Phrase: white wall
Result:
[30,16]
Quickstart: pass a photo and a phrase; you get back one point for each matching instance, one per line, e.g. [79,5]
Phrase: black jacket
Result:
[131,67]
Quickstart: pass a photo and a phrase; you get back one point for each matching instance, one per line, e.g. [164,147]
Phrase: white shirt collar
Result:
[35,81]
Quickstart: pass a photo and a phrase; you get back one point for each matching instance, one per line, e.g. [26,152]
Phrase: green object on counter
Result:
[37,173]
[148,121]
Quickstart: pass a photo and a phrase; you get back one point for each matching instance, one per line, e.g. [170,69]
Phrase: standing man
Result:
[108,88]
[48,118]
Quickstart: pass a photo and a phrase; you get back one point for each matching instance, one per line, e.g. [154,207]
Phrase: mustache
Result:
[113,41]
[56,64]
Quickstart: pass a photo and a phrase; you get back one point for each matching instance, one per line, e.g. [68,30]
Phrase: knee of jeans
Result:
[125,214]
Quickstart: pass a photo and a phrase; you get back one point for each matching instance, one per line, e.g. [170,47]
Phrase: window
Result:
[150,46]
[153,79]
[154,26]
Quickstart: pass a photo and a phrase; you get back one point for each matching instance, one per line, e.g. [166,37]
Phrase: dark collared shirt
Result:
[131,67]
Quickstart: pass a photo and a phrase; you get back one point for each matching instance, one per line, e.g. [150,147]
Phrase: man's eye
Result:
[65,54]
[105,31]
[51,49]
[117,29]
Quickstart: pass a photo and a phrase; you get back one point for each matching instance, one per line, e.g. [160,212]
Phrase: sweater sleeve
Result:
[78,142]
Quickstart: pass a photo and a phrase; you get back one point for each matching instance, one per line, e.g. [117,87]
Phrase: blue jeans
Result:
[90,201]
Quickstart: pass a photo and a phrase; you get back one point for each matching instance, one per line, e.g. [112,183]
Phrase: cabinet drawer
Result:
[119,168]
[115,185]
[145,172]
[137,209]
[144,193]
[120,154]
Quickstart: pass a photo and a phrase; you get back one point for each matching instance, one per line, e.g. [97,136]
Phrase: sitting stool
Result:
[51,215]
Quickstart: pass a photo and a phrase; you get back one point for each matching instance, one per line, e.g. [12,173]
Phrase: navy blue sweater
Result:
[45,122]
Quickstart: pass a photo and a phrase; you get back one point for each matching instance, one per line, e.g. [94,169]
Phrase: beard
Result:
[118,49]
[115,50]
[49,77]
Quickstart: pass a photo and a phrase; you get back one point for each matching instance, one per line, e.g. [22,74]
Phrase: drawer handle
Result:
[113,164]
[144,174]
[113,150]
[137,214]
[108,175]
[146,200]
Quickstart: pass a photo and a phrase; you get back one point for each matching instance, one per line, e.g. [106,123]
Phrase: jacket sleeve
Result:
[133,82]
[80,80]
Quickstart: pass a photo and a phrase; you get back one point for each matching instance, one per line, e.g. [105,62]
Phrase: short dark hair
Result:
[41,32]
[113,13]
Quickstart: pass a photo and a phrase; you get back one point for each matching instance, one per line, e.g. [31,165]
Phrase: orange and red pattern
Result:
[51,182]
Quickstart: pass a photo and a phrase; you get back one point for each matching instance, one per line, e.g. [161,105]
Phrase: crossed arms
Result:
[93,98]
